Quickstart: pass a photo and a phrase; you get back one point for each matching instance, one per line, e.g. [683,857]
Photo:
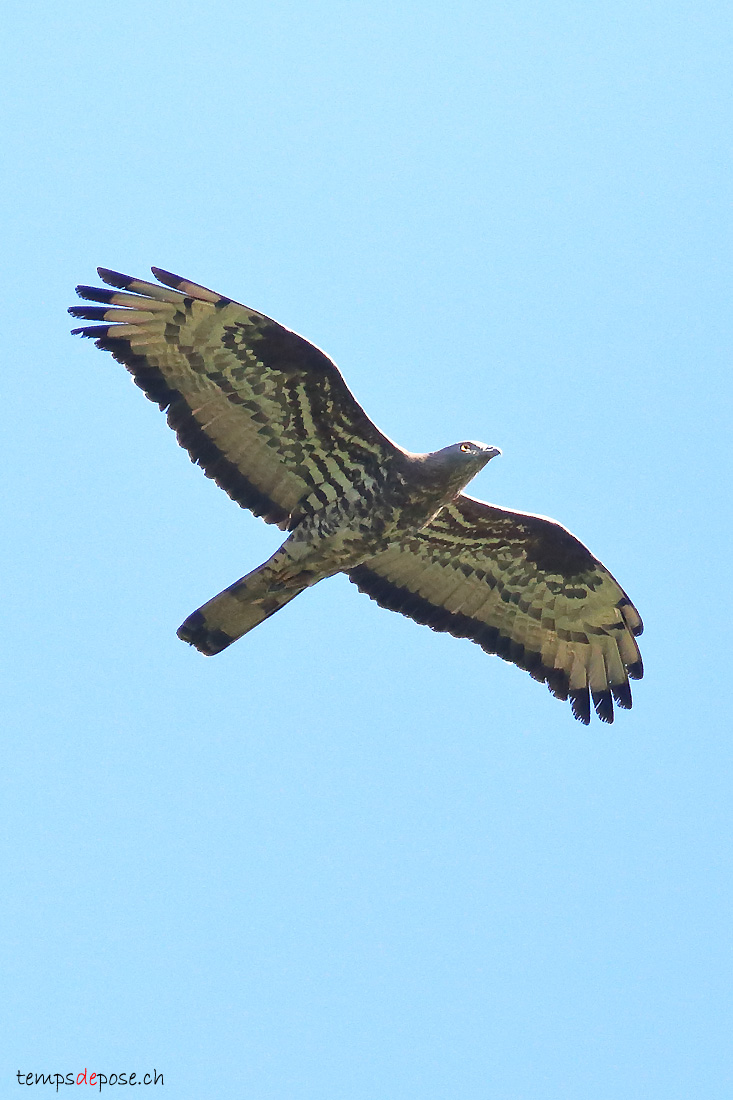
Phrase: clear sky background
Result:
[349,858]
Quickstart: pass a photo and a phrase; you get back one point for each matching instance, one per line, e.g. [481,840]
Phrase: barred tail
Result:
[234,612]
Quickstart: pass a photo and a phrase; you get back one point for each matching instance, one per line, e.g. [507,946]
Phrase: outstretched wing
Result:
[520,586]
[267,415]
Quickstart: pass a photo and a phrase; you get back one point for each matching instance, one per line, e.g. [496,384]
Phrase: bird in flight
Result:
[269,418]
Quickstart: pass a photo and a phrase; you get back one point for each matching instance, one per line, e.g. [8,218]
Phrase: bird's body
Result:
[340,536]
[268,417]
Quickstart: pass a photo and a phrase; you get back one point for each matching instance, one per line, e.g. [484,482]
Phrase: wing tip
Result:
[87,313]
[580,704]
[94,293]
[167,278]
[558,683]
[92,332]
[622,694]
[115,278]
[603,704]
[189,289]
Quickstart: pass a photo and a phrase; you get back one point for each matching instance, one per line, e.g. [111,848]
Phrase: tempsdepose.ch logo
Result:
[95,1079]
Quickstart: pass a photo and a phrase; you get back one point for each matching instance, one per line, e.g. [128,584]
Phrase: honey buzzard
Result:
[270,419]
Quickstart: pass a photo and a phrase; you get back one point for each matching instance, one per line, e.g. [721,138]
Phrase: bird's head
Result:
[460,462]
[470,452]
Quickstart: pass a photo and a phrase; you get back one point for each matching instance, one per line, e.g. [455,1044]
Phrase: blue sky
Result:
[350,858]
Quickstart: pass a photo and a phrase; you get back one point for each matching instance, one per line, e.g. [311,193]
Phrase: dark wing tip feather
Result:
[93,332]
[580,704]
[88,313]
[622,694]
[636,670]
[558,683]
[195,290]
[167,277]
[115,278]
[95,293]
[603,703]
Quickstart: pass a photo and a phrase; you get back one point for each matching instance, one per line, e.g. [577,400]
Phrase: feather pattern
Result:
[265,413]
[520,586]
[269,417]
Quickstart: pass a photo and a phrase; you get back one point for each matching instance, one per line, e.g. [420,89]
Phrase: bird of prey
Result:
[269,418]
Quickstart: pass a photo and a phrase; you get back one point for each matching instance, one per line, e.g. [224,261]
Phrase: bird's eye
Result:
[466,447]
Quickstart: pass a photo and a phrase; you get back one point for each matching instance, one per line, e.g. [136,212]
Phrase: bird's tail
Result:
[236,610]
